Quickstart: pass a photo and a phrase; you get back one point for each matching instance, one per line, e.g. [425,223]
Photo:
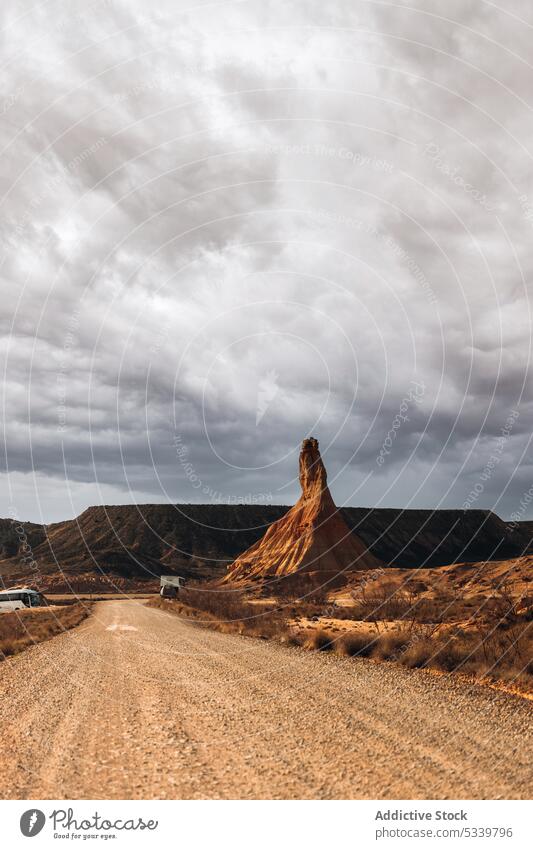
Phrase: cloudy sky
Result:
[227,226]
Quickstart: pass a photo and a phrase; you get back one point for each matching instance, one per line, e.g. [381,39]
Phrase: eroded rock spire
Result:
[311,538]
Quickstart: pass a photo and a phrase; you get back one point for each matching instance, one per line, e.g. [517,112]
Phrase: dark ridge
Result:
[15,534]
[128,545]
[414,538]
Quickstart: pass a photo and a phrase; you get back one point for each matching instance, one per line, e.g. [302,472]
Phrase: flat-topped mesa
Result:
[312,537]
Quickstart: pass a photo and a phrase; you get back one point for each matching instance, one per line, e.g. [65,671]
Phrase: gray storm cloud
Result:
[227,227]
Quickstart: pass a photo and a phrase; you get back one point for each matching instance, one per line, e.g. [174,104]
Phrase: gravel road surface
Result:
[136,703]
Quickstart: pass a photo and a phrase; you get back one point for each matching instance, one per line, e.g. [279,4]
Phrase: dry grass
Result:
[227,606]
[390,645]
[228,612]
[495,654]
[496,643]
[320,640]
[22,628]
[294,638]
[356,645]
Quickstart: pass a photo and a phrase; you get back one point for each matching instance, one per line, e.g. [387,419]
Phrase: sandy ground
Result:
[136,703]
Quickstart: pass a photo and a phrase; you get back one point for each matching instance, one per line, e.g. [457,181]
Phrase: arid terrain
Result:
[22,628]
[128,547]
[313,582]
[311,665]
[136,703]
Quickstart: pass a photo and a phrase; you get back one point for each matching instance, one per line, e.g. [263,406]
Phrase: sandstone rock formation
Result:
[312,538]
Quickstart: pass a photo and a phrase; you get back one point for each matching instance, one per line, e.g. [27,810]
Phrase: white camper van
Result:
[171,585]
[19,597]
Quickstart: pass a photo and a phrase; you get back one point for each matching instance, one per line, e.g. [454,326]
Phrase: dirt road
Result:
[138,704]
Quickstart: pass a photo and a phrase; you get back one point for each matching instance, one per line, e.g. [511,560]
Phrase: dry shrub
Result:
[391,644]
[301,587]
[356,645]
[386,599]
[225,605]
[380,601]
[294,638]
[484,652]
[227,611]
[320,640]
[353,613]
[434,610]
[443,654]
[303,609]
[502,653]
[417,654]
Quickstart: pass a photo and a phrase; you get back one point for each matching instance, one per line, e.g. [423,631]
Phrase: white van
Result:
[171,586]
[18,598]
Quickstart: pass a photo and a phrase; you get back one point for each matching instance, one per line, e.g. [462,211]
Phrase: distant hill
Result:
[131,546]
[417,538]
[14,534]
[526,528]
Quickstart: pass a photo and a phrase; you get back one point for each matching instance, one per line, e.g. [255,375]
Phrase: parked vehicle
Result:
[20,597]
[171,585]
